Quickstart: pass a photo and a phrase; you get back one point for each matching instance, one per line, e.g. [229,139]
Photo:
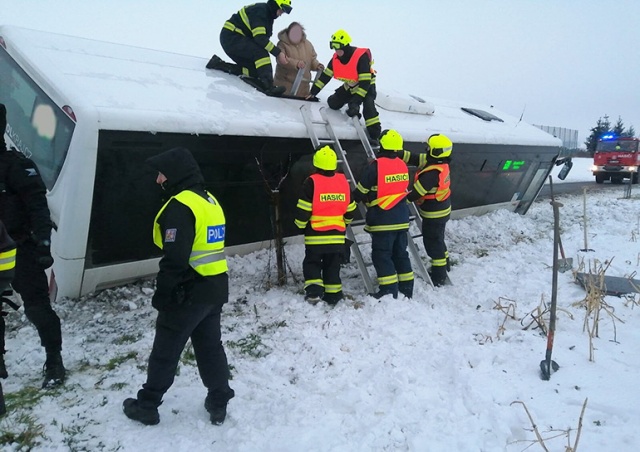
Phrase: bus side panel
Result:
[236,170]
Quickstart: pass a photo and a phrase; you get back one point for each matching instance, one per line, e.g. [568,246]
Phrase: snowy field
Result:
[452,369]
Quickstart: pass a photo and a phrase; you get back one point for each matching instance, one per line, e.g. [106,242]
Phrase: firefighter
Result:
[323,211]
[353,66]
[25,213]
[191,288]
[245,37]
[383,188]
[7,269]
[432,192]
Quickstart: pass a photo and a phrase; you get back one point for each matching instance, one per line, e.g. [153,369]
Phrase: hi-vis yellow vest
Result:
[207,252]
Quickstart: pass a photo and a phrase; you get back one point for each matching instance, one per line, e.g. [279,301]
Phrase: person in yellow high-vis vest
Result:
[191,288]
[7,270]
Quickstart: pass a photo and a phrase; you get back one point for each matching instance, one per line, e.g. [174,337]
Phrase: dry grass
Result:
[594,302]
[555,433]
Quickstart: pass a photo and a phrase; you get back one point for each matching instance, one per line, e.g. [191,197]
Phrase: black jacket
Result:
[6,244]
[260,15]
[177,281]
[23,198]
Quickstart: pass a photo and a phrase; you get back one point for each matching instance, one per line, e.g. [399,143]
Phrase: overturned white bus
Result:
[89,113]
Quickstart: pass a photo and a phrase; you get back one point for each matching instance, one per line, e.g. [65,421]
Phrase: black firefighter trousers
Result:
[201,323]
[342,96]
[435,246]
[245,52]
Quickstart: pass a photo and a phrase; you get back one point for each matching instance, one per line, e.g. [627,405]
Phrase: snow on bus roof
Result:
[132,88]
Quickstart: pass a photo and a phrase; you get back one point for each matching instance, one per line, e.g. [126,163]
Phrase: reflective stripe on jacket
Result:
[331,198]
[207,252]
[434,202]
[393,180]
[349,72]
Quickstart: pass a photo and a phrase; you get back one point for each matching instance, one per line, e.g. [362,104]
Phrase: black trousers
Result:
[201,323]
[433,239]
[30,282]
[321,270]
[342,96]
[245,52]
[391,261]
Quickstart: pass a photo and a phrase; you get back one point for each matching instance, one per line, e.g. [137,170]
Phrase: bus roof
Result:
[132,88]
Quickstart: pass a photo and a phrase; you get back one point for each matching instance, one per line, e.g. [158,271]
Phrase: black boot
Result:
[270,89]
[333,298]
[54,371]
[406,288]
[438,276]
[217,410]
[385,290]
[141,412]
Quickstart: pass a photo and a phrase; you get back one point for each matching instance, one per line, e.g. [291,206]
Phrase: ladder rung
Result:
[326,141]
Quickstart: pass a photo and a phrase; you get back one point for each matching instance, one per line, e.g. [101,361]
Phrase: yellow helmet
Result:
[284,5]
[390,140]
[439,146]
[339,39]
[325,159]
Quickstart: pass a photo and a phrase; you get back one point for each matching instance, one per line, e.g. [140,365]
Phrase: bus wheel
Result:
[635,178]
[599,179]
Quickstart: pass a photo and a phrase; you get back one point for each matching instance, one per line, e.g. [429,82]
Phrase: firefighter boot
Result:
[438,276]
[406,288]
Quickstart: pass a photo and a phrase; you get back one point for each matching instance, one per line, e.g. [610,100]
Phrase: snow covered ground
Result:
[439,372]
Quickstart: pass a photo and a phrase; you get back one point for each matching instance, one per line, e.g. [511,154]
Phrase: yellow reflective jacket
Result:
[207,252]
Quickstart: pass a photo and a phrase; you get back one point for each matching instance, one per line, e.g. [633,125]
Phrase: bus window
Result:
[36,126]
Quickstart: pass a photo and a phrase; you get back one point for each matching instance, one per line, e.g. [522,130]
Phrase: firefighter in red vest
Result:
[324,210]
[383,188]
[432,192]
[353,66]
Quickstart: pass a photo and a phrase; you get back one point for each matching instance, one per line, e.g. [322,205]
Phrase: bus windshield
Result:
[36,126]
[617,146]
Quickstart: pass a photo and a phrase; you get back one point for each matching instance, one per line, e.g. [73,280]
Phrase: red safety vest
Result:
[349,72]
[331,198]
[393,180]
[442,191]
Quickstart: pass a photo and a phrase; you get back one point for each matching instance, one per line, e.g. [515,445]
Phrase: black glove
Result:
[159,302]
[43,254]
[353,110]
[162,302]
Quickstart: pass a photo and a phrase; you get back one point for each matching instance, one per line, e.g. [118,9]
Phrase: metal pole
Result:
[297,81]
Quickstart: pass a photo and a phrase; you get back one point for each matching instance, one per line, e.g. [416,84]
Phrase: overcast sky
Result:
[563,63]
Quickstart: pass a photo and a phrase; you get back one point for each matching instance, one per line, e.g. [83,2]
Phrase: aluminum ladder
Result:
[310,123]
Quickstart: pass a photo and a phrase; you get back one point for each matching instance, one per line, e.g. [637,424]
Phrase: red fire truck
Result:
[616,158]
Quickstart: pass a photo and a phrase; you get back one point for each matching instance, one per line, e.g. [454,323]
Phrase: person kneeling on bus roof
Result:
[245,37]
[191,288]
[25,213]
